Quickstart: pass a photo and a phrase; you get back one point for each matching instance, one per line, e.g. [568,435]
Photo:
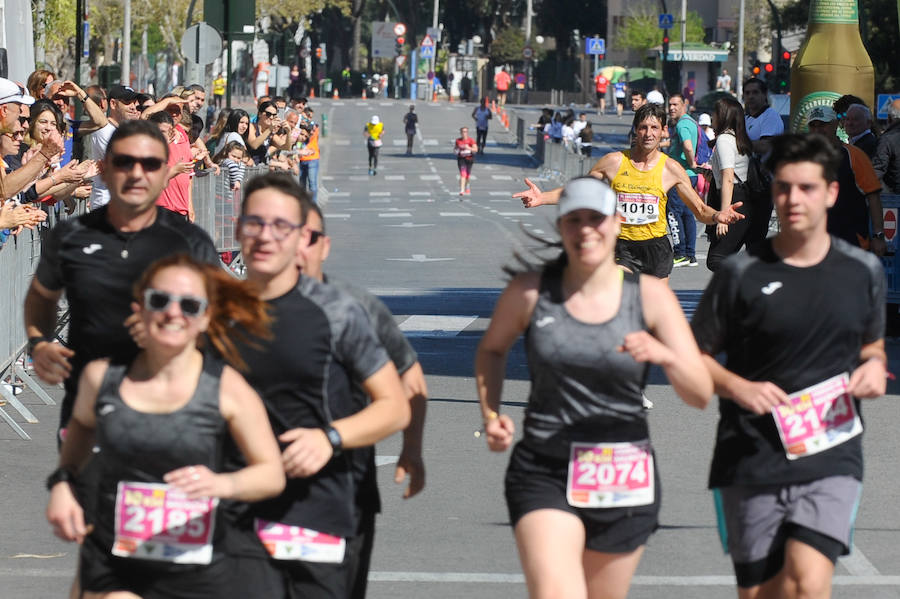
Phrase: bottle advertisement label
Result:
[837,12]
[820,98]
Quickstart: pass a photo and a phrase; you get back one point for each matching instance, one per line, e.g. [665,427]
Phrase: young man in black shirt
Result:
[800,318]
[96,259]
[322,344]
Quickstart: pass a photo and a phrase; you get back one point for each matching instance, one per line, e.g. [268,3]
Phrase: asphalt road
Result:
[436,259]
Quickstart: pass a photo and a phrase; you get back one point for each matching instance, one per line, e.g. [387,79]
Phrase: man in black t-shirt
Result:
[800,314]
[410,119]
[322,344]
[96,259]
[368,502]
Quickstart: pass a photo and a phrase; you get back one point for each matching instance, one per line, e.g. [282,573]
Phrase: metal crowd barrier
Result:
[561,163]
[216,207]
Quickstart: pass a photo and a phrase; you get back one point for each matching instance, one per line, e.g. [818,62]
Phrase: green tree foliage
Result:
[641,31]
[507,46]
[878,27]
[58,26]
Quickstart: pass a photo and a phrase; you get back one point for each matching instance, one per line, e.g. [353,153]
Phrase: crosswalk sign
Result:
[884,102]
[594,45]
[426,51]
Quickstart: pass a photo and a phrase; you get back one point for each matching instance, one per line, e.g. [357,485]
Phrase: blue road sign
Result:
[594,45]
[666,21]
[884,102]
[426,51]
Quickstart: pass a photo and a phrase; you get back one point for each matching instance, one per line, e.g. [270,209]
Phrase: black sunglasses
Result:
[156,300]
[314,236]
[126,162]
[270,114]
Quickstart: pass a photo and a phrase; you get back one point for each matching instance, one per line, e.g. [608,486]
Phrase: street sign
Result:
[594,45]
[884,102]
[666,21]
[400,60]
[890,223]
[384,41]
[399,29]
[427,41]
[201,44]
[520,80]
[430,75]
[426,51]
[434,33]
[527,53]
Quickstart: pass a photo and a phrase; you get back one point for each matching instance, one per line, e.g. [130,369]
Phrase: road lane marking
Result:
[502,177]
[339,194]
[395,178]
[501,193]
[384,460]
[419,258]
[456,214]
[379,193]
[427,325]
[358,178]
[858,564]
[409,225]
[430,177]
[420,193]
[337,215]
[393,214]
[516,213]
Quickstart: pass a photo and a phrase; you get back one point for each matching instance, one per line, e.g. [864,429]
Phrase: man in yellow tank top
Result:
[641,178]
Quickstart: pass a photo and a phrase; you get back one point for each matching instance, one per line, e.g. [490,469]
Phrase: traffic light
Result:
[769,68]
[398,44]
[319,52]
[665,46]
[783,73]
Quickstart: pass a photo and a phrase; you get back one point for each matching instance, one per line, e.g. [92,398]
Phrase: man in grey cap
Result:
[122,107]
[859,196]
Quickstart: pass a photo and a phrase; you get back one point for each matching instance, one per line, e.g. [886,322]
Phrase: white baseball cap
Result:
[10,92]
[374,120]
[654,97]
[587,192]
[705,121]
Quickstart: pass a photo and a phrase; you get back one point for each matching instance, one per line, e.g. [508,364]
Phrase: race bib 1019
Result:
[638,208]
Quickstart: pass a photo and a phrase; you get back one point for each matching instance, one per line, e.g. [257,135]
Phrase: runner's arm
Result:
[388,412]
[671,344]
[533,196]
[509,320]
[758,397]
[877,215]
[410,460]
[704,213]
[51,360]
[869,380]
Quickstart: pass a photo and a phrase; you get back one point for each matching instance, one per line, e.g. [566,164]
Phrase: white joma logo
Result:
[92,248]
[107,409]
[542,322]
[771,287]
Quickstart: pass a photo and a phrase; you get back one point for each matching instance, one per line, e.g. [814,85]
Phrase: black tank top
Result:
[582,389]
[142,447]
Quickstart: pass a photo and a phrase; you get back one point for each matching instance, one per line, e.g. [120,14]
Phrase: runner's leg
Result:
[551,547]
[608,575]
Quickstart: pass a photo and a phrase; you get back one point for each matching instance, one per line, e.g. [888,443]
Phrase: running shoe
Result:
[679,261]
[467,192]
[692,261]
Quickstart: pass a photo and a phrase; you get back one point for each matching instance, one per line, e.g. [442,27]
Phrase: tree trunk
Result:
[356,15]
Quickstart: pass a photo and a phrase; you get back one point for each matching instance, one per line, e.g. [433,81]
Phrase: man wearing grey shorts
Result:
[800,319]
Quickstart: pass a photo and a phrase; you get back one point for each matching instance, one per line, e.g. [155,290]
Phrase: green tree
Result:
[507,45]
[641,31]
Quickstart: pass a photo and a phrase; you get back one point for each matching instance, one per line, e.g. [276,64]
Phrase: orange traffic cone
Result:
[364,93]
[335,95]
[434,95]
[312,92]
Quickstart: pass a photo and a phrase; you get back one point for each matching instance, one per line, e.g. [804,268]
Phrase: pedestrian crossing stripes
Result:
[379,193]
[395,178]
[430,177]
[422,325]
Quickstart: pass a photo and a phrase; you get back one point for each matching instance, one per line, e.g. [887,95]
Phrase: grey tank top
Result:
[141,447]
[582,389]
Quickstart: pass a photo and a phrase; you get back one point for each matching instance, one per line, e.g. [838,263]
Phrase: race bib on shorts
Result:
[286,542]
[157,522]
[638,208]
[818,418]
[610,475]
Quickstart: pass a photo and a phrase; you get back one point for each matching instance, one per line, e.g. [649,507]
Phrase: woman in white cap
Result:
[582,487]
[374,130]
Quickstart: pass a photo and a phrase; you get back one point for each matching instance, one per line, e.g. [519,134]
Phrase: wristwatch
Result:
[60,475]
[879,235]
[334,437]
[32,341]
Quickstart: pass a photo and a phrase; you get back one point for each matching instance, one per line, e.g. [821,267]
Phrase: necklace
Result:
[130,236]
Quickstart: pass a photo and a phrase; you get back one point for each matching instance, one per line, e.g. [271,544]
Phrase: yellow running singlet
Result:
[641,199]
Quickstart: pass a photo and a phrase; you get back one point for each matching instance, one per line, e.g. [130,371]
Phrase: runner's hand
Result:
[410,463]
[500,432]
[721,230]
[532,197]
[644,347]
[200,481]
[729,215]
[869,380]
[308,452]
[759,398]
[135,326]
[877,246]
[65,514]
[51,362]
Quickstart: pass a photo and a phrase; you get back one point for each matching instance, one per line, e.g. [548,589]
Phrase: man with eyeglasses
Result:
[96,259]
[14,103]
[298,544]
[122,107]
[311,258]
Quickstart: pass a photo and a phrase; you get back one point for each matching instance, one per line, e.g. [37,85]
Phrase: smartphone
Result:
[281,113]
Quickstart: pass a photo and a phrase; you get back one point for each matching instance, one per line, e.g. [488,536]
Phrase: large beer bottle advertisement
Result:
[831,62]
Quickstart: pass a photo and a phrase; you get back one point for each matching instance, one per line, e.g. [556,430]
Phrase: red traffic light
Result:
[769,67]
[666,39]
[786,55]
[401,40]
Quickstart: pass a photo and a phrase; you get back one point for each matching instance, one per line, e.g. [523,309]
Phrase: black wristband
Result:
[32,341]
[60,475]
[334,437]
